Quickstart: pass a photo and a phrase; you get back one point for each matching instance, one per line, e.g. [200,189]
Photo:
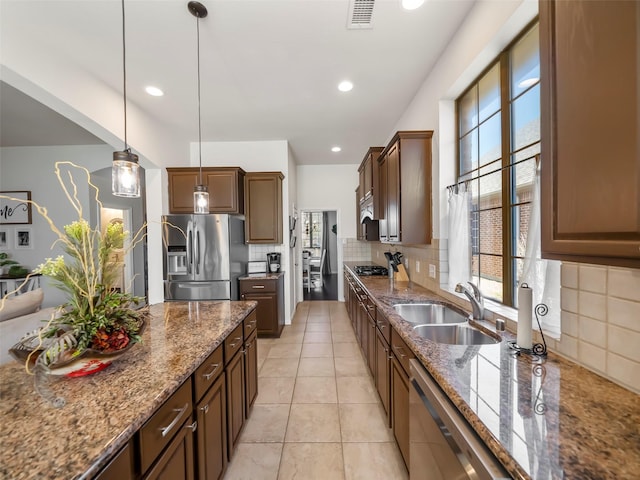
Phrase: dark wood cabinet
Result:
[371,339]
[402,354]
[590,119]
[165,423]
[263,207]
[251,371]
[405,189]
[211,414]
[400,408]
[368,175]
[176,462]
[269,293]
[235,400]
[120,468]
[382,375]
[226,189]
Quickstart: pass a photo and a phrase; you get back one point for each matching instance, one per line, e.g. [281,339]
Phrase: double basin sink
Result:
[442,324]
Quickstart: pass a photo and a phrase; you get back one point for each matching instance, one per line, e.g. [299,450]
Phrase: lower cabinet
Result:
[211,414]
[251,371]
[400,393]
[120,467]
[179,442]
[176,462]
[383,373]
[235,400]
[269,293]
[400,408]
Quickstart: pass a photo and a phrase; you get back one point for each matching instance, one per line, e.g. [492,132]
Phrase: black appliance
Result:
[273,262]
[371,270]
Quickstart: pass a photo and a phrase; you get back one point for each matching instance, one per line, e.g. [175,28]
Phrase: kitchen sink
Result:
[428,313]
[459,334]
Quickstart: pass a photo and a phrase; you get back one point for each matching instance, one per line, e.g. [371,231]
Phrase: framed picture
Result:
[4,239]
[15,210]
[23,238]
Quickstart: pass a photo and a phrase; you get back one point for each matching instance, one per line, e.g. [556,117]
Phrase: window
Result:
[312,229]
[498,142]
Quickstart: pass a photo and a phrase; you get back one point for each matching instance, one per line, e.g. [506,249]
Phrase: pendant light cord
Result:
[124,69]
[199,119]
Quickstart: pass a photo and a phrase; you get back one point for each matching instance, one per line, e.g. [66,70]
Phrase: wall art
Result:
[15,208]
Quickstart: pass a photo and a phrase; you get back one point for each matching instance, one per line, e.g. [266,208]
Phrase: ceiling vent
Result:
[360,13]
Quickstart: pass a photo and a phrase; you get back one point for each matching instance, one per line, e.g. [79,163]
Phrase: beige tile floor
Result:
[317,414]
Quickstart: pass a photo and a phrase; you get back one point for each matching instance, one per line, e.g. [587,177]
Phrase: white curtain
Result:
[459,237]
[542,276]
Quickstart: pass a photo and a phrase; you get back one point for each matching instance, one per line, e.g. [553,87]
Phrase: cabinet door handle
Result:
[205,409]
[193,427]
[233,345]
[396,348]
[207,376]
[257,286]
[242,296]
[165,430]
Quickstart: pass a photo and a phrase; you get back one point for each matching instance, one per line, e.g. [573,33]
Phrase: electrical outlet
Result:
[417,266]
[432,270]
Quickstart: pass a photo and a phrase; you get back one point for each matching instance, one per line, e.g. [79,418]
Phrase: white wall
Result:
[330,187]
[32,168]
[259,156]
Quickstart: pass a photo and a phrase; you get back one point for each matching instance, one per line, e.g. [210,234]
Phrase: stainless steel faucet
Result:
[475,297]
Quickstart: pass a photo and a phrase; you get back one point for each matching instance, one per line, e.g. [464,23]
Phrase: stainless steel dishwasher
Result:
[442,445]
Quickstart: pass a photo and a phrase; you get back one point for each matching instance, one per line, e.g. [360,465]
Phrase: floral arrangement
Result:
[96,316]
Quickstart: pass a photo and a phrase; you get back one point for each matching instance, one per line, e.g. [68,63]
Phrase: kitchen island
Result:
[542,419]
[104,411]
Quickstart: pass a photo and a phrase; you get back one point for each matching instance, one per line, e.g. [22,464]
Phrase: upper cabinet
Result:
[263,205]
[405,189]
[226,189]
[368,172]
[590,119]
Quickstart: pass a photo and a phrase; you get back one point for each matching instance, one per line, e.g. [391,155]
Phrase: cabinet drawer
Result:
[250,324]
[401,351]
[233,343]
[156,434]
[258,285]
[208,372]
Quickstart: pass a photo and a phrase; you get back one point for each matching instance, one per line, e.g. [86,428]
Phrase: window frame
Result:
[509,244]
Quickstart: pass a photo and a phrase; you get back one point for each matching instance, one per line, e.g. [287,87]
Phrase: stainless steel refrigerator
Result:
[203,256]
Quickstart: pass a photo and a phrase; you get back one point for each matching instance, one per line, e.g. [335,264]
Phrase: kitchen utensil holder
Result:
[538,349]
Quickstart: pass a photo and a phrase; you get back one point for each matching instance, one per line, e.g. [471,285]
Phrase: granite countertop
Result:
[546,419]
[104,410]
[263,276]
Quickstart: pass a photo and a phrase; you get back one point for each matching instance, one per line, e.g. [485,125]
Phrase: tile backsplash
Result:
[601,320]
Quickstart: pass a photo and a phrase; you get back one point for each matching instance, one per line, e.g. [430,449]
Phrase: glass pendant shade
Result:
[201,199]
[125,176]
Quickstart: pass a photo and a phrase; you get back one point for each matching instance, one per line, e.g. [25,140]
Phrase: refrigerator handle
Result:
[189,247]
[197,251]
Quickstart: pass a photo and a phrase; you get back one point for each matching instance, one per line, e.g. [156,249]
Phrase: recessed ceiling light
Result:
[411,4]
[345,86]
[335,149]
[527,82]
[154,91]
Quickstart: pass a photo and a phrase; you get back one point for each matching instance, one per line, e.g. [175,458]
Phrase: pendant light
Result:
[125,174]
[201,191]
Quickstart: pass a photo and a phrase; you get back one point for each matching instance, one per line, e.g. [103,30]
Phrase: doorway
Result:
[319,250]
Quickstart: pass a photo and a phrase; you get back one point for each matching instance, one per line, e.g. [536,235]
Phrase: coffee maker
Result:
[273,262]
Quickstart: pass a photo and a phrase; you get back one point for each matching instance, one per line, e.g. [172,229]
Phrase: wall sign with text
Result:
[15,207]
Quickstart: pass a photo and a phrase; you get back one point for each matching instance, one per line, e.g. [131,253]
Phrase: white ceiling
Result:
[269,69]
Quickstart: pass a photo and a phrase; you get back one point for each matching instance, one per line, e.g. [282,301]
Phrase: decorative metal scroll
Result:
[538,349]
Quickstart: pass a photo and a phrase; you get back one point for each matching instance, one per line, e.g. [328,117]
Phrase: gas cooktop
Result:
[370,270]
